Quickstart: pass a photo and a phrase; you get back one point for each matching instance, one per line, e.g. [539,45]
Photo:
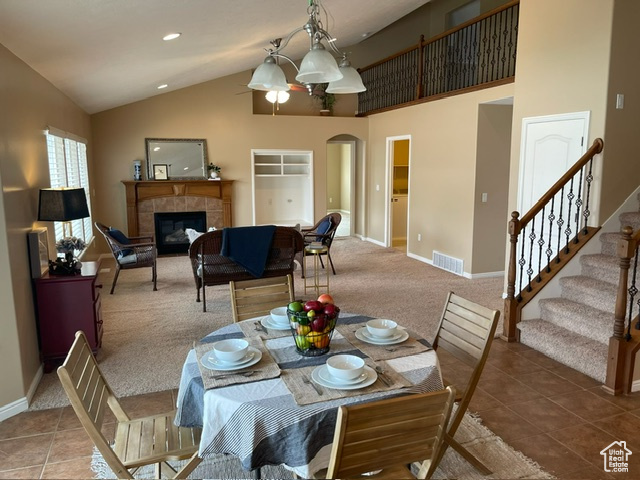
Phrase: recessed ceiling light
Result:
[171,36]
[164,85]
[366,34]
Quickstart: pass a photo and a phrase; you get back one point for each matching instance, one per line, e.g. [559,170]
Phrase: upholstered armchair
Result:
[130,252]
[322,232]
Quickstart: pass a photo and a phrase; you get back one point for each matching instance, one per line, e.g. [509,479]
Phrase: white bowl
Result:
[382,328]
[279,315]
[345,367]
[230,350]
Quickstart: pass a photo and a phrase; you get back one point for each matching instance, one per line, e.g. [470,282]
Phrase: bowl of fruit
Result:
[312,324]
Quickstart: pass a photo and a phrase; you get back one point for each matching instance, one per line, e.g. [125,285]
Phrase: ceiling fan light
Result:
[318,66]
[280,96]
[268,76]
[283,96]
[351,82]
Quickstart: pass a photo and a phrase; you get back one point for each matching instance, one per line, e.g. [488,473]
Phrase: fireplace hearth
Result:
[170,229]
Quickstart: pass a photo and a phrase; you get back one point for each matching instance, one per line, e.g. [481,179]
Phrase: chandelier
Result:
[318,65]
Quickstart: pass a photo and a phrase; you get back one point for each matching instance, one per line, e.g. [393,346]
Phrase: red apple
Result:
[318,324]
[313,305]
[331,310]
[325,299]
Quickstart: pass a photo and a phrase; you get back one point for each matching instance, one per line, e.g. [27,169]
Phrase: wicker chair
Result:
[311,234]
[211,268]
[139,252]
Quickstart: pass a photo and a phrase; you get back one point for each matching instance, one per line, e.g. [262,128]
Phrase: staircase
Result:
[575,328]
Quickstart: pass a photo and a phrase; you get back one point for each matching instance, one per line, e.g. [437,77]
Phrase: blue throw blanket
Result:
[248,247]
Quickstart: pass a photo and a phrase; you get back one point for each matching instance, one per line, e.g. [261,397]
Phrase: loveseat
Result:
[211,268]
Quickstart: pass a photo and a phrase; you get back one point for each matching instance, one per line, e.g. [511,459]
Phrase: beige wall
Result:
[492,177]
[334,174]
[442,177]
[30,103]
[210,110]
[562,67]
[621,168]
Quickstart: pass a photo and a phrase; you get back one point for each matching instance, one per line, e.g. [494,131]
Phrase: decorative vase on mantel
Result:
[213,175]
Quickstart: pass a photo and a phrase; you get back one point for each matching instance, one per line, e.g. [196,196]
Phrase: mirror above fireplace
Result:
[184,158]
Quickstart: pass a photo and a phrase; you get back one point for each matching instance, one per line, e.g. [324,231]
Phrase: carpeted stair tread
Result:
[578,317]
[630,218]
[604,267]
[590,291]
[609,243]
[576,351]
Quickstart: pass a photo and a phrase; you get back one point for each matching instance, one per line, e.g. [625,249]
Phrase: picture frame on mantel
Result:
[160,172]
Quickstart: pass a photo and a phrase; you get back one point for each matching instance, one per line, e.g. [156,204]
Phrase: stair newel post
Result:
[616,383]
[510,303]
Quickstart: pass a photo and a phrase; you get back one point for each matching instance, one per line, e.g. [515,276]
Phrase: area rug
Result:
[500,458]
[147,334]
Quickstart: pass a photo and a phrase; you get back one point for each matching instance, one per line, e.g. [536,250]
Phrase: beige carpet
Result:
[147,334]
[500,458]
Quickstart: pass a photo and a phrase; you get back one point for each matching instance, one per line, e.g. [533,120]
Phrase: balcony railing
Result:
[477,54]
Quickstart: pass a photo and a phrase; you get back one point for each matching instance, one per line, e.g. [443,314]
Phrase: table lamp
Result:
[62,205]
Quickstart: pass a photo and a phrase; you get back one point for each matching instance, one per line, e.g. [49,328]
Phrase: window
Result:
[68,168]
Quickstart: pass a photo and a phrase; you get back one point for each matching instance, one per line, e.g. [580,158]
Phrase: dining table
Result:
[280,408]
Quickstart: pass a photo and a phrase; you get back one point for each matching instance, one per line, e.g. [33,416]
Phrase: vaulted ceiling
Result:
[107,53]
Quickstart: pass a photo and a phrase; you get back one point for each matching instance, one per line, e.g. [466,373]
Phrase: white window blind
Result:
[68,168]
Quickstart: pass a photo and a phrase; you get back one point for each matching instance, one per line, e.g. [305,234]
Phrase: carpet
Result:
[147,334]
[500,458]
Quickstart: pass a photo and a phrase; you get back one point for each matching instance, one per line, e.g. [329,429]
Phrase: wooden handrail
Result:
[596,148]
[515,301]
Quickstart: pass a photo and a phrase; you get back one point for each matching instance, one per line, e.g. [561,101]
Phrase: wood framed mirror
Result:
[185,158]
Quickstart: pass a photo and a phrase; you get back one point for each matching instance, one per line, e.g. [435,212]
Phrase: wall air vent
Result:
[450,264]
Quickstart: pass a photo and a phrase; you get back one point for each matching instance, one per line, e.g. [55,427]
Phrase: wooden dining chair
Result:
[253,298]
[466,331]
[138,442]
[389,435]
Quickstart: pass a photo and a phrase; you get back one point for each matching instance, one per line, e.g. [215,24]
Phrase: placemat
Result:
[264,369]
[301,386]
[411,346]
[253,328]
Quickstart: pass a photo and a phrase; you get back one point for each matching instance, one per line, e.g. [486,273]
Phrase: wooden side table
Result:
[66,304]
[315,252]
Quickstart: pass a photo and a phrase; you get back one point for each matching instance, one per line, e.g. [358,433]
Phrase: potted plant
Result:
[214,170]
[326,100]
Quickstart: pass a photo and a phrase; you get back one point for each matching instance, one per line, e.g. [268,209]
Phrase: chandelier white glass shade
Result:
[274,96]
[318,65]
[269,77]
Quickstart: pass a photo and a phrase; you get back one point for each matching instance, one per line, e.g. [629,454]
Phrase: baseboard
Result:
[375,242]
[635,386]
[22,404]
[419,258]
[475,276]
[14,408]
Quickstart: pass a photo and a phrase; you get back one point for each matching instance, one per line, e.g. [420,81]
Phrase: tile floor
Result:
[553,414]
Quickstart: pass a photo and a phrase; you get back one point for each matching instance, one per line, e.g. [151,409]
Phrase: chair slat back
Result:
[385,433]
[90,395]
[466,331]
[253,298]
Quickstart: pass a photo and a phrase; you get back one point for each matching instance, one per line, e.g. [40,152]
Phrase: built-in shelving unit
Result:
[282,187]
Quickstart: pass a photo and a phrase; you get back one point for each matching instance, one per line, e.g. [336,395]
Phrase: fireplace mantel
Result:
[138,192]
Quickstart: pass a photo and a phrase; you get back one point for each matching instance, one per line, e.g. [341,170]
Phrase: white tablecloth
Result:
[261,423]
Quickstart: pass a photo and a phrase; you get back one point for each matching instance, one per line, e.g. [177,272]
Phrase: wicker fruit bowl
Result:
[312,324]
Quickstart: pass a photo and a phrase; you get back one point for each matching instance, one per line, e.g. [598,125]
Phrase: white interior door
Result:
[550,146]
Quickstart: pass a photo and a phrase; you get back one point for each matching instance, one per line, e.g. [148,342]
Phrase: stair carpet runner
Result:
[575,328]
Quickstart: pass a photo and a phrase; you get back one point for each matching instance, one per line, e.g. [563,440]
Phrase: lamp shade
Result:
[318,66]
[351,82]
[269,76]
[62,205]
